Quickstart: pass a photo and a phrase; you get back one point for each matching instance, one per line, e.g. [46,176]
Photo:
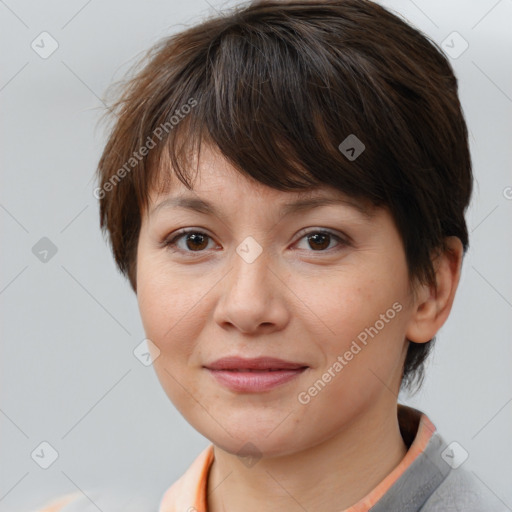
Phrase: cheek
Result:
[344,304]
[169,306]
[170,321]
[362,318]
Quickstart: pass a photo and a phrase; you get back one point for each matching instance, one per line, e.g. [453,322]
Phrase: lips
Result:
[260,364]
[257,375]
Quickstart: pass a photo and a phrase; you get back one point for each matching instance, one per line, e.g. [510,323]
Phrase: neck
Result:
[331,476]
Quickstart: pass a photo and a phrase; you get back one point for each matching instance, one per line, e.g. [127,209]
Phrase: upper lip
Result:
[258,363]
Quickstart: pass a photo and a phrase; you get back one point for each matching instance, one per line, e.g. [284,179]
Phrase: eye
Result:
[319,240]
[194,241]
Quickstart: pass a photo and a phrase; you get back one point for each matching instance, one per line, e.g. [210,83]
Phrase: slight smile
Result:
[254,375]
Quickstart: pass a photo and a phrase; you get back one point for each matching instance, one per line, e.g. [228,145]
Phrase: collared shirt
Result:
[430,478]
[426,479]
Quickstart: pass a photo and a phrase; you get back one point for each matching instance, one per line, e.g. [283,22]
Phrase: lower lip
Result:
[254,382]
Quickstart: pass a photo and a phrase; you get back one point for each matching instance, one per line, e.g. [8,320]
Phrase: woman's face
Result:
[257,280]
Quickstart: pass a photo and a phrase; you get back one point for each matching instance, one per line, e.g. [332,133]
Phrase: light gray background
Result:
[70,325]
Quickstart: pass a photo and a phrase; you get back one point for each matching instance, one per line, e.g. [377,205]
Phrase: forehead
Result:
[209,173]
[215,182]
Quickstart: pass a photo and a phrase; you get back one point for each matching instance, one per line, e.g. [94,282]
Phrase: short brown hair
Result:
[276,86]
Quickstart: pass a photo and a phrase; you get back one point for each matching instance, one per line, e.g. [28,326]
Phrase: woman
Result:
[294,282]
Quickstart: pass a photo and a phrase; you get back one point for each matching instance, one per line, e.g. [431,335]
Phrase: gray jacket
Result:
[430,484]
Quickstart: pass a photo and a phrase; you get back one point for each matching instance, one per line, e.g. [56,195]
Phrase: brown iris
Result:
[322,239]
[196,238]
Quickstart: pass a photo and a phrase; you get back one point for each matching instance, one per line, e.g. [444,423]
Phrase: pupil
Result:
[324,236]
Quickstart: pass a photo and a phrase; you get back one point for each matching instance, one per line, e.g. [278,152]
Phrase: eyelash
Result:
[170,243]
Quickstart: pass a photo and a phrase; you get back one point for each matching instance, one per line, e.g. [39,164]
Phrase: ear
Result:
[433,304]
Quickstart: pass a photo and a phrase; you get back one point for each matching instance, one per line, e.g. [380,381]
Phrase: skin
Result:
[300,300]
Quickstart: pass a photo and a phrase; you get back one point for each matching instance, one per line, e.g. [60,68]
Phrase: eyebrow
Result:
[202,206]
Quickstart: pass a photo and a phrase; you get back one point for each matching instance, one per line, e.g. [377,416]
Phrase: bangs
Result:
[269,111]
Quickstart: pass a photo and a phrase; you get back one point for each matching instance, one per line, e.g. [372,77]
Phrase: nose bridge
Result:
[250,267]
[250,294]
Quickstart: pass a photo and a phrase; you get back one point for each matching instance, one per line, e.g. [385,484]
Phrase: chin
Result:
[252,444]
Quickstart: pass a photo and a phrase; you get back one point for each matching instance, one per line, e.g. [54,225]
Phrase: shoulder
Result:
[189,491]
[58,504]
[111,500]
[461,490]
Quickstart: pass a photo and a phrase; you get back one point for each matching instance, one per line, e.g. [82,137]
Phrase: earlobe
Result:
[433,304]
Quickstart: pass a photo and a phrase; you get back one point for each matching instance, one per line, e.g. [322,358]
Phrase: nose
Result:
[252,297]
